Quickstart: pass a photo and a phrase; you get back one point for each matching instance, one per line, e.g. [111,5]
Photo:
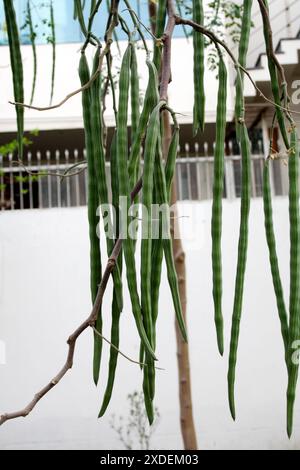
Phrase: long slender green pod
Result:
[53,43]
[16,67]
[149,103]
[80,17]
[180,6]
[163,189]
[100,172]
[116,313]
[147,199]
[93,5]
[151,100]
[146,250]
[242,134]
[100,176]
[242,257]
[218,188]
[113,359]
[271,241]
[135,93]
[171,161]
[93,201]
[199,57]
[75,14]
[159,30]
[157,243]
[122,159]
[294,328]
[275,80]
[33,44]
[156,263]
[92,183]
[157,254]
[243,50]
[135,117]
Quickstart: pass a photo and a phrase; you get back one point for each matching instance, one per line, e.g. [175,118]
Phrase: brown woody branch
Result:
[90,322]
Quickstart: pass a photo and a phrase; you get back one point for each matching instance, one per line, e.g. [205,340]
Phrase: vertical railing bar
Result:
[253,181]
[2,198]
[206,147]
[230,178]
[261,166]
[198,171]
[58,179]
[29,160]
[49,182]
[67,180]
[21,189]
[85,179]
[40,181]
[11,183]
[77,187]
[188,171]
[180,178]
[207,173]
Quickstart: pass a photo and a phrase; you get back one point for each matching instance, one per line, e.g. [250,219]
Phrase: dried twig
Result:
[141,364]
[92,319]
[173,20]
[89,322]
[66,174]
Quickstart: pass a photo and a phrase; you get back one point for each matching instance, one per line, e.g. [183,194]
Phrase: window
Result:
[67,30]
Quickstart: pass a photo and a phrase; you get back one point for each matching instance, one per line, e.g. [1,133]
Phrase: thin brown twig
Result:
[65,174]
[111,264]
[106,50]
[141,364]
[273,58]
[89,322]
[174,20]
[217,41]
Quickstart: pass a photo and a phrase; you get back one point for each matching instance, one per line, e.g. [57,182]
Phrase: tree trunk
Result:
[185,389]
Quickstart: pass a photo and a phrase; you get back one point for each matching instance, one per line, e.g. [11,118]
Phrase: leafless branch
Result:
[173,20]
[68,173]
[89,322]
[141,364]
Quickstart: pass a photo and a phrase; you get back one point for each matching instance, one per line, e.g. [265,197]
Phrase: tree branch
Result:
[89,322]
[92,319]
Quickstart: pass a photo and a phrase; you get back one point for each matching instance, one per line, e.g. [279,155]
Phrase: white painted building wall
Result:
[285,20]
[69,116]
[44,294]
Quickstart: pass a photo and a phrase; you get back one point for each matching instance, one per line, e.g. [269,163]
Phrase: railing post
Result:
[85,178]
[67,180]
[11,183]
[58,179]
[48,157]
[229,177]
[77,185]
[2,184]
[29,160]
[40,181]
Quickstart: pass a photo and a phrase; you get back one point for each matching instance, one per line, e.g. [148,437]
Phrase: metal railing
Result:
[21,188]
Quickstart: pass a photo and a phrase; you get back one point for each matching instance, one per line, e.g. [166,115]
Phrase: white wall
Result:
[69,116]
[44,294]
[285,20]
